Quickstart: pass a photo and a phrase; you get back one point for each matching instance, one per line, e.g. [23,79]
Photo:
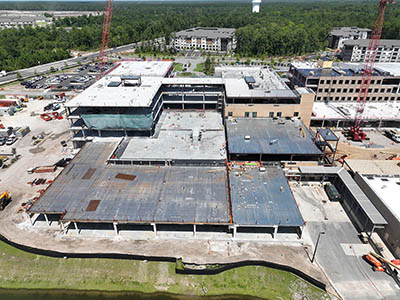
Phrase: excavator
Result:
[5,199]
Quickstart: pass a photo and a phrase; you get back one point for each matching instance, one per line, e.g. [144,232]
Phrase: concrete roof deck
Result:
[269,136]
[135,194]
[263,198]
[174,142]
[375,167]
[346,111]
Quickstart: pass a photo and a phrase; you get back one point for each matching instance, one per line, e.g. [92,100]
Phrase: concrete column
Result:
[47,220]
[301,231]
[76,228]
[99,132]
[194,230]
[116,228]
[323,123]
[63,228]
[234,231]
[29,218]
[154,229]
[275,231]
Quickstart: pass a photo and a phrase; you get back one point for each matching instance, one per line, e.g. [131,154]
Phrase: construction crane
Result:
[356,133]
[104,37]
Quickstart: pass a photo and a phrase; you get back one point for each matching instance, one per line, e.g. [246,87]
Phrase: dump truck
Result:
[5,199]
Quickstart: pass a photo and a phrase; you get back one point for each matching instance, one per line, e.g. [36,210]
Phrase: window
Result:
[344,90]
[353,82]
[338,90]
[336,98]
[372,82]
[351,90]
[343,98]
[359,82]
[326,90]
[230,114]
[319,90]
[340,81]
[334,81]
[254,114]
[328,82]
[382,90]
[246,114]
[279,114]
[271,114]
[296,114]
[347,81]
[322,82]
[376,90]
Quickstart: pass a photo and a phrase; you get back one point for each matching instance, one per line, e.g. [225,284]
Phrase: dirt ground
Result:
[357,152]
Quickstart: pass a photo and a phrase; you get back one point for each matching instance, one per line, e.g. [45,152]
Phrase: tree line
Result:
[280,29]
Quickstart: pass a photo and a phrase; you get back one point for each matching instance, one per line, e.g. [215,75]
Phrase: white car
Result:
[3,73]
[11,140]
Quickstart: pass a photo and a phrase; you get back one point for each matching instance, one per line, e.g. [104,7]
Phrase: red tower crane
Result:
[356,133]
[105,35]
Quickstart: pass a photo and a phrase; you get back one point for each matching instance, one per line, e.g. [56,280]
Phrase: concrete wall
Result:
[391,233]
[304,109]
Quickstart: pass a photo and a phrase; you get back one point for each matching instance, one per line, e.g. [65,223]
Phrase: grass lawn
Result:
[185,74]
[199,67]
[178,67]
[29,271]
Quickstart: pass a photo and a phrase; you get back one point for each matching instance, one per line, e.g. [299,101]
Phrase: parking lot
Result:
[77,79]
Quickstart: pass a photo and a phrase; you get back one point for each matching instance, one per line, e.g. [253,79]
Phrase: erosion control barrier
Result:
[179,266]
[219,268]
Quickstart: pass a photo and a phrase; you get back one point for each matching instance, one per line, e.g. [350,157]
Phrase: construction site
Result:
[237,166]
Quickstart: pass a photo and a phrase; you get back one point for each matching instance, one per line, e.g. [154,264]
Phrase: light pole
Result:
[316,246]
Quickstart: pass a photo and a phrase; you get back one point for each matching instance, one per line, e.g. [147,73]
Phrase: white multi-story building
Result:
[206,38]
[256,6]
[340,34]
[356,50]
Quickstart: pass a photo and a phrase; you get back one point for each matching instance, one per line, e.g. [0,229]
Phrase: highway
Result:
[67,63]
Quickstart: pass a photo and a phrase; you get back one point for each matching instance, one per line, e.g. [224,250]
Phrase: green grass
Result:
[199,67]
[178,67]
[185,74]
[29,271]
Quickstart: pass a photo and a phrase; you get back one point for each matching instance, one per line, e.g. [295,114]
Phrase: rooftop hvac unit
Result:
[247,137]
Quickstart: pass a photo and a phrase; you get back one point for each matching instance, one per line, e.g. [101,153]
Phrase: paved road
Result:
[340,255]
[67,63]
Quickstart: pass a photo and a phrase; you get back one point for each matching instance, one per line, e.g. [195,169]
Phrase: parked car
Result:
[56,106]
[2,141]
[332,192]
[11,140]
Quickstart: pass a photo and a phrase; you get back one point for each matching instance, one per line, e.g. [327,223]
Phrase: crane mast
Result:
[105,36]
[356,133]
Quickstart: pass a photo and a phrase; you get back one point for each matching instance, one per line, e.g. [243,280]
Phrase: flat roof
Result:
[374,167]
[152,68]
[88,190]
[340,31]
[265,82]
[346,69]
[347,110]
[365,43]
[387,189]
[269,136]
[209,32]
[177,139]
[100,94]
[263,198]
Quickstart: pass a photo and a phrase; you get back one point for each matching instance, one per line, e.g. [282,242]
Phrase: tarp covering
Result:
[118,121]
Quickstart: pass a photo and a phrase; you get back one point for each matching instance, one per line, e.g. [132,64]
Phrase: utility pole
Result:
[316,246]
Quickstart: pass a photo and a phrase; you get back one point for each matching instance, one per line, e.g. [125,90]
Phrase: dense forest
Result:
[281,28]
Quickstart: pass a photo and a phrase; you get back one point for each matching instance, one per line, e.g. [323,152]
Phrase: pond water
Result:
[75,295]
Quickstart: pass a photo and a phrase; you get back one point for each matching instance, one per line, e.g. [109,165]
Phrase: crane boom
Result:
[356,133]
[105,35]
